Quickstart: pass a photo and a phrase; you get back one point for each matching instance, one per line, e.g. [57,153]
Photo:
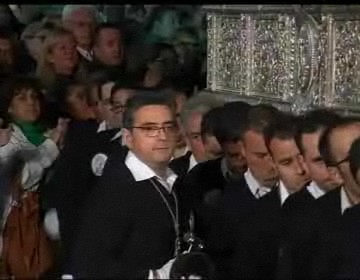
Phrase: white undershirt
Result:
[256,189]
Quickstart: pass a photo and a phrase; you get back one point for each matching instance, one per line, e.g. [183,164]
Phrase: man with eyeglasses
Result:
[134,218]
[336,142]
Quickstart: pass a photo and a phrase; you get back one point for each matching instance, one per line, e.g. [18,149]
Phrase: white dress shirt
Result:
[88,55]
[141,171]
[256,189]
[315,190]
[102,127]
[192,162]
[284,193]
[344,200]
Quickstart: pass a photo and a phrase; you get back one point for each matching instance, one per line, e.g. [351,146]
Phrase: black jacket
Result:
[181,164]
[126,229]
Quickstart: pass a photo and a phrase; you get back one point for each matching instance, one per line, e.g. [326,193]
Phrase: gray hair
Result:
[68,10]
[201,104]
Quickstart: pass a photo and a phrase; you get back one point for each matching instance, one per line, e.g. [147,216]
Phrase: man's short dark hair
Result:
[324,143]
[142,99]
[314,121]
[284,128]
[259,117]
[104,26]
[193,264]
[126,84]
[210,122]
[232,119]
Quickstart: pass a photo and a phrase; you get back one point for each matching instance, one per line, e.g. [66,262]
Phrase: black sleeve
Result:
[104,231]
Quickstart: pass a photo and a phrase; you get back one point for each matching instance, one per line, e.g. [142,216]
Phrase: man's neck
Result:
[159,169]
[353,194]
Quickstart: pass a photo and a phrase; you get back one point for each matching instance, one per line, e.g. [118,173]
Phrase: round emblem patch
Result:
[98,164]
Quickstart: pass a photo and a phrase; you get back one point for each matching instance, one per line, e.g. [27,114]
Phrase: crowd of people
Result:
[117,167]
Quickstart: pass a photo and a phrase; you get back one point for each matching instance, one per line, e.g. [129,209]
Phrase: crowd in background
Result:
[115,164]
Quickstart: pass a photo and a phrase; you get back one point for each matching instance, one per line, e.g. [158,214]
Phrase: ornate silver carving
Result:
[283,55]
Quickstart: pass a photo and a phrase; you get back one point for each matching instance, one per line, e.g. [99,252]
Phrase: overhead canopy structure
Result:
[296,56]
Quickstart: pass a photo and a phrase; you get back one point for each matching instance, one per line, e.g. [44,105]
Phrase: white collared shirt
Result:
[118,135]
[192,162]
[141,171]
[344,200]
[102,127]
[88,55]
[315,190]
[284,193]
[256,189]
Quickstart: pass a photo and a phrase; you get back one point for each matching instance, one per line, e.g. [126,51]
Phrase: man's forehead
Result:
[160,113]
[283,146]
[344,134]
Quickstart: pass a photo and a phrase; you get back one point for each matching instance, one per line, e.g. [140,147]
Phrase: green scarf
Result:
[34,132]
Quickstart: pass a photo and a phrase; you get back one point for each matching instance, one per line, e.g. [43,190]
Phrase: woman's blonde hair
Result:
[45,70]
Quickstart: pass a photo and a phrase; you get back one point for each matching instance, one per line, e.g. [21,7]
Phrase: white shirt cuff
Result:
[67,277]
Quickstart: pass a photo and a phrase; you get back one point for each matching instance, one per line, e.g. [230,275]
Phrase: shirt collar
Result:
[284,193]
[256,189]
[141,171]
[315,190]
[88,55]
[224,168]
[102,127]
[117,136]
[344,200]
[192,162]
[186,149]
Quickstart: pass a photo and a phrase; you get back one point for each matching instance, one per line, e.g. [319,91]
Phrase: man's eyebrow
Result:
[154,123]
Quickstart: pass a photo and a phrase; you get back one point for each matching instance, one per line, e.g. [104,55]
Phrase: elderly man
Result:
[82,21]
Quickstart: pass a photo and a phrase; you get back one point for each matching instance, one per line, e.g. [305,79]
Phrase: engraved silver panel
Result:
[299,56]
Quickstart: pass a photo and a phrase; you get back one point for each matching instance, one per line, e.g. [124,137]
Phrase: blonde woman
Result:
[59,59]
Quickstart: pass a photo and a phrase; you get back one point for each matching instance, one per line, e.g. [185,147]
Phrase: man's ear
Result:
[128,138]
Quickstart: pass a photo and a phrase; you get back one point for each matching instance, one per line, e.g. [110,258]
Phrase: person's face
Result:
[104,104]
[109,47]
[77,101]
[63,55]
[153,75]
[151,144]
[6,53]
[258,159]
[35,44]
[94,102]
[212,147]
[340,143]
[234,157]
[166,25]
[118,104]
[25,106]
[82,23]
[317,168]
[192,131]
[289,163]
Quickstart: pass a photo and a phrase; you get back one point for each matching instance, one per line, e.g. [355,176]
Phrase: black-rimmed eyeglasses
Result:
[153,131]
